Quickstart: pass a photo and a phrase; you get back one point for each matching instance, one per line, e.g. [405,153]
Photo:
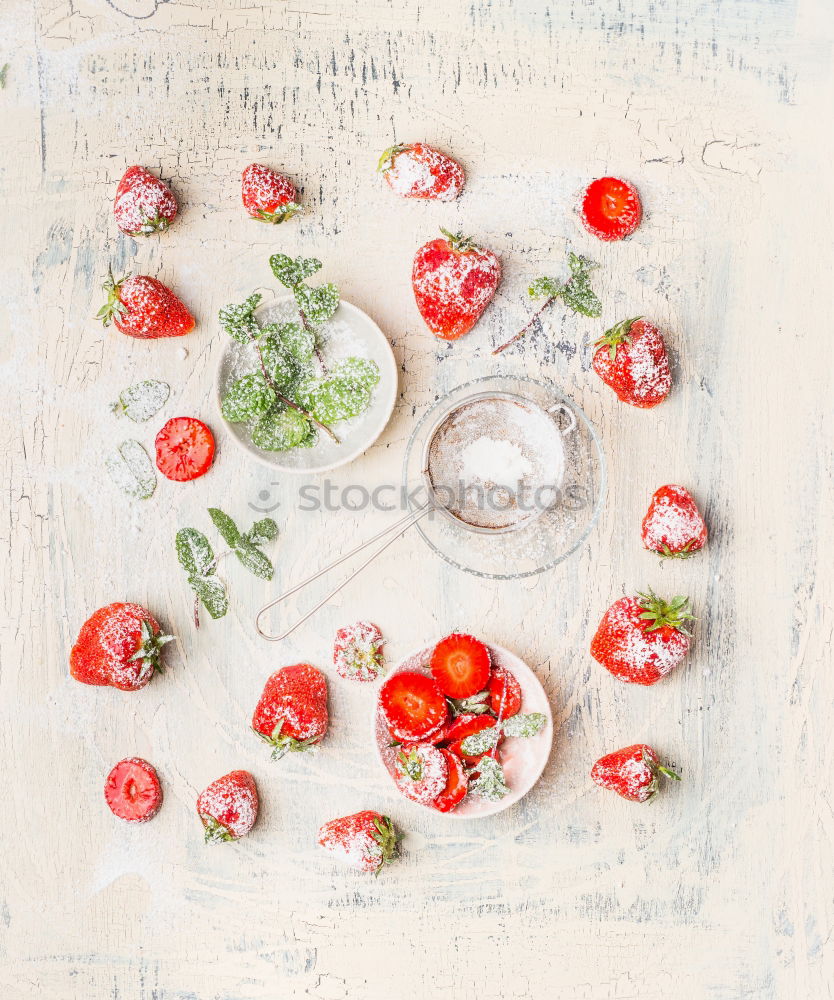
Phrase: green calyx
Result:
[657,770]
[150,646]
[618,334]
[411,764]
[685,552]
[280,214]
[388,839]
[283,743]
[674,614]
[150,226]
[113,306]
[386,161]
[458,243]
[216,833]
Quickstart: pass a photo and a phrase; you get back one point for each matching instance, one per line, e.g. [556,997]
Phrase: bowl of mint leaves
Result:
[308,382]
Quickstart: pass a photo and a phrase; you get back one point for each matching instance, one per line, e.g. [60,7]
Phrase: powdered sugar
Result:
[357,652]
[422,172]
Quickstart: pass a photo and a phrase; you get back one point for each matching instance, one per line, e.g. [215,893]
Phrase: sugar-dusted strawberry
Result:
[467,725]
[118,646]
[460,664]
[454,281]
[184,449]
[228,808]
[631,358]
[421,773]
[144,204]
[133,791]
[291,714]
[611,209]
[357,652]
[640,639]
[419,171]
[632,772]
[366,840]
[504,693]
[413,706]
[457,784]
[143,307]
[268,196]
[673,525]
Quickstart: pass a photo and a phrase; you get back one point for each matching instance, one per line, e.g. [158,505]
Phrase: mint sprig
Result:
[576,293]
[490,782]
[197,558]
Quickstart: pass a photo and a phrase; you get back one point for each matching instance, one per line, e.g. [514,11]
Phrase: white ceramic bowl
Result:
[523,759]
[349,332]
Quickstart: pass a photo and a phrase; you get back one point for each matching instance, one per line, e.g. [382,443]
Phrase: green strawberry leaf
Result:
[490,783]
[279,430]
[239,320]
[292,272]
[362,371]
[317,304]
[262,531]
[247,399]
[141,401]
[524,725]
[297,340]
[194,552]
[212,593]
[336,399]
[131,470]
[225,525]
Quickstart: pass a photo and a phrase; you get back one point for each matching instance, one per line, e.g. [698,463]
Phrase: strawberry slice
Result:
[460,664]
[133,791]
[413,705]
[184,449]
[457,784]
[611,209]
[504,693]
[463,726]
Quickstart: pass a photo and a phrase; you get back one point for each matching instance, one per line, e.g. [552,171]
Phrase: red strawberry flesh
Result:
[413,705]
[133,791]
[184,449]
[460,664]
[611,209]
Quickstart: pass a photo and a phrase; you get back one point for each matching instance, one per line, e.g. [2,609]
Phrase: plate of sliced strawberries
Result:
[463,727]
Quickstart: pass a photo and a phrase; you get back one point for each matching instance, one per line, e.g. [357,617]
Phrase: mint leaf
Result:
[476,704]
[362,371]
[481,742]
[262,531]
[247,399]
[225,525]
[212,593]
[317,304]
[524,725]
[141,401]
[279,430]
[490,783]
[580,297]
[338,399]
[279,363]
[292,272]
[252,558]
[239,321]
[194,552]
[297,340]
[580,264]
[131,470]
[545,287]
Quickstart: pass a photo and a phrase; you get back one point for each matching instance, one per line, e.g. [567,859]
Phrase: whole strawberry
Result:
[419,171]
[640,639]
[632,772]
[291,715]
[454,281]
[673,525]
[267,195]
[422,773]
[228,808]
[366,840]
[118,646]
[357,652]
[631,358]
[143,307]
[144,204]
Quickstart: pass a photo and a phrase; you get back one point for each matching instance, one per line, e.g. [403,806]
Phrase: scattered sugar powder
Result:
[491,461]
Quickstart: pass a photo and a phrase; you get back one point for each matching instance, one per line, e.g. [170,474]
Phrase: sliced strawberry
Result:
[457,784]
[184,449]
[466,725]
[413,705]
[611,209]
[133,791]
[504,693]
[460,664]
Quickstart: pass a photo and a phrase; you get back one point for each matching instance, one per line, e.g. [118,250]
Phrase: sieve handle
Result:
[395,530]
[570,415]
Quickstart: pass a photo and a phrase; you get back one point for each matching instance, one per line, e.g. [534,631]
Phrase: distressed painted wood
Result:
[720,113]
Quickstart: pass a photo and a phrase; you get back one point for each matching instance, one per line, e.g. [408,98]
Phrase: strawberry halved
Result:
[457,784]
[132,790]
[184,449]
[413,705]
[504,693]
[611,209]
[460,664]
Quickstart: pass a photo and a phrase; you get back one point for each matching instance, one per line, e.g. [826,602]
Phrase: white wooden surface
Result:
[720,112]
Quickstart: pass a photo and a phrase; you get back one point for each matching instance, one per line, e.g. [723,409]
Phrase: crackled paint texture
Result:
[720,113]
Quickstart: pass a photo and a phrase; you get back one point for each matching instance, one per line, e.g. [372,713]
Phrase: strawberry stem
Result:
[618,334]
[113,306]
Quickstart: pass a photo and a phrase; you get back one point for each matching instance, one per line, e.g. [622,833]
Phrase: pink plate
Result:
[523,759]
